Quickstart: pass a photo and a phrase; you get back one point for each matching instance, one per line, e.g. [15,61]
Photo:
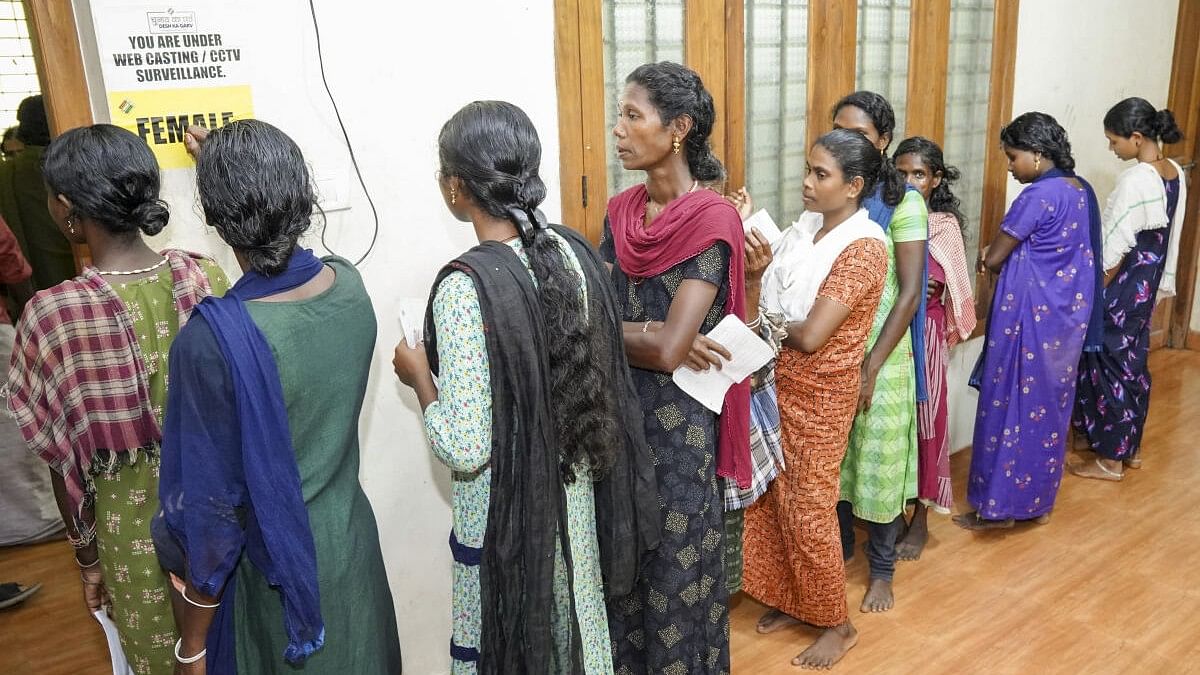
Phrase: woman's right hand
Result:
[706,353]
[95,593]
[934,289]
[741,200]
[193,138]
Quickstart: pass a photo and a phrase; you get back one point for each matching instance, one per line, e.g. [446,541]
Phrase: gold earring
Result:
[70,227]
[453,196]
[1037,163]
[675,144]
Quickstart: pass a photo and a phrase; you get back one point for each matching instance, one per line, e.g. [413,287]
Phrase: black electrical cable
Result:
[349,146]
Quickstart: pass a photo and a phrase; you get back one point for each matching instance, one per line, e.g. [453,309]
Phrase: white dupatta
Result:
[799,266]
[1139,203]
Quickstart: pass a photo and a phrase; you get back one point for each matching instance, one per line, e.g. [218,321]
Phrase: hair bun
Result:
[1168,130]
[151,216]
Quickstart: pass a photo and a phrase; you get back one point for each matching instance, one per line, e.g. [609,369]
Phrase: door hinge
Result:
[584,190]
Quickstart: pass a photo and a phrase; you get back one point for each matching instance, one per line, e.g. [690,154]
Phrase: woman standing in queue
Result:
[879,474]
[553,492]
[1140,227]
[819,294]
[1043,316]
[677,257]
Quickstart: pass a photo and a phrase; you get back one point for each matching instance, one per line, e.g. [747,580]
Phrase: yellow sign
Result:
[161,116]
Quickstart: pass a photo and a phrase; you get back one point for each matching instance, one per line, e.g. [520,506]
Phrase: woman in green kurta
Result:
[105,186]
[523,334]
[879,472]
[264,519]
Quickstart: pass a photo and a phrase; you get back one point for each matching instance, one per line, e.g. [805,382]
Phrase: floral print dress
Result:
[459,426]
[126,487]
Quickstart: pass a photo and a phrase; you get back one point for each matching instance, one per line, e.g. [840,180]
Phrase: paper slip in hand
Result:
[120,665]
[765,225]
[749,352]
[412,321]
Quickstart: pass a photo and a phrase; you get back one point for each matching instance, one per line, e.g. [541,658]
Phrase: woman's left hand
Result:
[409,363]
[866,390]
[758,255]
[197,668]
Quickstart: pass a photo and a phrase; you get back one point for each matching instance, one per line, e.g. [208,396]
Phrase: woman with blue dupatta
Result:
[879,471]
[1043,317]
[264,524]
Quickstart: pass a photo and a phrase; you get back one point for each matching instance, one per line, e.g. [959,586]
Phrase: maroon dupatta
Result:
[684,229]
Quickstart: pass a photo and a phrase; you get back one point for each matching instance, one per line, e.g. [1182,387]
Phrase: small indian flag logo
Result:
[126,106]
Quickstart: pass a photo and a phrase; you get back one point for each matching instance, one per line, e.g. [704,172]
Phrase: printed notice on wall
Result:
[169,66]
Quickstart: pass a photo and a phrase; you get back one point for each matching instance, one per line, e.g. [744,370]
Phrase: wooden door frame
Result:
[583,157]
[928,60]
[995,169]
[1184,100]
[59,61]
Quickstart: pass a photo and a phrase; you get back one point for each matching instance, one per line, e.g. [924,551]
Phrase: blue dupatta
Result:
[231,486]
[881,213]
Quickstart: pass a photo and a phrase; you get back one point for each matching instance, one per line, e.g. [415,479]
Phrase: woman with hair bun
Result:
[1141,230]
[1044,314]
[270,540]
[89,373]
[677,256]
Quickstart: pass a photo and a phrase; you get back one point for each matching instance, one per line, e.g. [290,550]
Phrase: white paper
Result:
[762,221]
[412,321]
[120,666]
[749,353]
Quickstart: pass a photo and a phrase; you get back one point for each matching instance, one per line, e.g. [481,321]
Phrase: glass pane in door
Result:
[635,32]
[968,85]
[776,100]
[883,53]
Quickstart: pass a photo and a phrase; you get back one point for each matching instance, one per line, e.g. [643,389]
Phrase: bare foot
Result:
[1099,469]
[1043,519]
[773,620]
[913,543]
[878,598]
[972,521]
[829,648]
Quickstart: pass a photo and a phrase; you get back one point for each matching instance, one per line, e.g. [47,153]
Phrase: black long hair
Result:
[1041,133]
[941,198]
[255,191]
[493,148]
[1137,114]
[110,177]
[883,118]
[675,91]
[856,156]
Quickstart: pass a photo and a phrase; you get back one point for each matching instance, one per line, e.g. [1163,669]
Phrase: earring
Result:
[1037,163]
[70,227]
[675,144]
[453,196]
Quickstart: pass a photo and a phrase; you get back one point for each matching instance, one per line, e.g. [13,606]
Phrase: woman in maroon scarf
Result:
[676,252]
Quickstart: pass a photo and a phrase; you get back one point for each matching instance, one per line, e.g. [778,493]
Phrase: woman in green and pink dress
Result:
[106,334]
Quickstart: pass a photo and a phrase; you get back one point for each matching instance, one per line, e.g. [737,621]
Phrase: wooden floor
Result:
[1110,585]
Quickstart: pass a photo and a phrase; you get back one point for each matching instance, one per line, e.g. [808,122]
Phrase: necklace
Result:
[658,209]
[118,273]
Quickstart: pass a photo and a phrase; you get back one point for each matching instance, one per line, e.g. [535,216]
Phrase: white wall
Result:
[398,71]
[1075,60]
